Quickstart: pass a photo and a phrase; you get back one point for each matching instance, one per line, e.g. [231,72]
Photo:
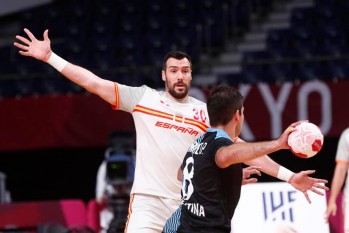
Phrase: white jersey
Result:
[165,129]
[342,156]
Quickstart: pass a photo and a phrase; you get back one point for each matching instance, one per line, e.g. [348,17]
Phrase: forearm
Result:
[81,77]
[270,167]
[337,182]
[84,78]
[335,189]
[243,152]
[266,164]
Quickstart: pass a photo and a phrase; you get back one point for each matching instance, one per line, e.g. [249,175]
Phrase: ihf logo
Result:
[278,205]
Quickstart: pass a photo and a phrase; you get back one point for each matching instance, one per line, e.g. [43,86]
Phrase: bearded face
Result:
[177,77]
[179,90]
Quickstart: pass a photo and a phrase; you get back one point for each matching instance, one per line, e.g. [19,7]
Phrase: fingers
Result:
[250,181]
[290,129]
[24,49]
[30,35]
[24,40]
[320,181]
[315,180]
[298,122]
[308,172]
[257,172]
[320,186]
[252,170]
[46,35]
[329,212]
[295,124]
[316,191]
[24,53]
[247,172]
[317,186]
[307,197]
[20,46]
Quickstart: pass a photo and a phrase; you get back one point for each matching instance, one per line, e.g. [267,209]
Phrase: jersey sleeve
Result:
[343,147]
[217,144]
[128,97]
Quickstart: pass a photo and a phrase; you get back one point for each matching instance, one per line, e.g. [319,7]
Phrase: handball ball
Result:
[306,141]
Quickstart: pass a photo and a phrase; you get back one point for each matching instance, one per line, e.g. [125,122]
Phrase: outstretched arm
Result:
[41,50]
[300,181]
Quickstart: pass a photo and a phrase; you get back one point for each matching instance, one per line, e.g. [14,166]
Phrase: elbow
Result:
[219,162]
[226,157]
[222,159]
[89,86]
[94,86]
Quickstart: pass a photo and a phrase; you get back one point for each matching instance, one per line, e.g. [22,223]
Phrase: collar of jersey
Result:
[220,133]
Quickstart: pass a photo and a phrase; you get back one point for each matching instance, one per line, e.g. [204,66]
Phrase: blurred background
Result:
[53,134]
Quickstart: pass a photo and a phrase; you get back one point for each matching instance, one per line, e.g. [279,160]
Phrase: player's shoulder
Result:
[196,101]
[153,90]
[150,91]
[133,88]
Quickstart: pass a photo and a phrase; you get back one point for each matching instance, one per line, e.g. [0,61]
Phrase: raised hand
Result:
[302,182]
[39,49]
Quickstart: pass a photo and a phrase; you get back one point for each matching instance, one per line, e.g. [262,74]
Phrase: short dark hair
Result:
[222,103]
[179,55]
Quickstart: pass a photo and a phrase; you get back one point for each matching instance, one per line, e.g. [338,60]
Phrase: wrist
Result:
[332,198]
[284,174]
[331,201]
[57,62]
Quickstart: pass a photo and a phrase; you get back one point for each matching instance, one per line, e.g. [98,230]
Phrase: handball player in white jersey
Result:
[166,123]
[340,177]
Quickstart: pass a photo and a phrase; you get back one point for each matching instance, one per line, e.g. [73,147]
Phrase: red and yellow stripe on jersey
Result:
[157,113]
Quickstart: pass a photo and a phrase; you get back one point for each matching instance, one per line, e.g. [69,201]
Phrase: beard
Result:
[178,94]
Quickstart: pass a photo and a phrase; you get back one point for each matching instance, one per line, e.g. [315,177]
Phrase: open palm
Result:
[39,49]
[302,182]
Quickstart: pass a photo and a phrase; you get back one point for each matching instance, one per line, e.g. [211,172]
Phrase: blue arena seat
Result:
[111,36]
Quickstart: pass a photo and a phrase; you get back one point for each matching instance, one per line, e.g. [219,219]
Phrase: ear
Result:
[237,115]
[163,75]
